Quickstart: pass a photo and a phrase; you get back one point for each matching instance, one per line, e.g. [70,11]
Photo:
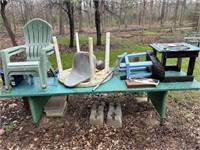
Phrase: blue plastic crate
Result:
[16,79]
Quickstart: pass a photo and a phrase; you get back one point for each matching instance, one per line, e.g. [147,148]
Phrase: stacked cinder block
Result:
[56,106]
[97,113]
[114,115]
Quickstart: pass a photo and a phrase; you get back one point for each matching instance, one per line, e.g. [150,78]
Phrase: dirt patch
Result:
[141,129]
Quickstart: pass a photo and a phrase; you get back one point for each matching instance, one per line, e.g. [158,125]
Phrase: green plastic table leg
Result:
[159,101]
[36,104]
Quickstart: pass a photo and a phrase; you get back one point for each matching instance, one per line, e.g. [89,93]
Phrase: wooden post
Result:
[92,70]
[77,42]
[59,63]
[107,55]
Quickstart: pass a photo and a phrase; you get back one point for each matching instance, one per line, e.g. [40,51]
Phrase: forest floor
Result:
[140,123]
[140,126]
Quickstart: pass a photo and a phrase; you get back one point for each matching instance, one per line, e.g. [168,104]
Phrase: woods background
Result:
[68,16]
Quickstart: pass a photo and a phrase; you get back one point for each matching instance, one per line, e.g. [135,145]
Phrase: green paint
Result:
[37,104]
[159,101]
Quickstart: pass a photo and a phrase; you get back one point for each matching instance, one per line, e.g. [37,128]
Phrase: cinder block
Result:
[97,113]
[114,115]
[56,106]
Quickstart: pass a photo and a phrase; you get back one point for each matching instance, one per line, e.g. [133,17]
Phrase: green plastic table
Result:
[37,98]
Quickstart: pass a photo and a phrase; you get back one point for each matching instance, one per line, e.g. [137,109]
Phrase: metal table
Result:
[179,51]
[37,99]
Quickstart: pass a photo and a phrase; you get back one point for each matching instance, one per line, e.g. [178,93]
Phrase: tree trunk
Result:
[13,18]
[97,22]
[6,23]
[143,18]
[176,14]
[198,25]
[182,12]
[90,14]
[70,13]
[61,28]
[197,16]
[26,11]
[162,12]
[167,10]
[120,17]
[22,15]
[80,17]
[151,15]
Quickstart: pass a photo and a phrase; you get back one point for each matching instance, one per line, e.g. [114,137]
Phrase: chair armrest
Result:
[6,53]
[14,50]
[49,50]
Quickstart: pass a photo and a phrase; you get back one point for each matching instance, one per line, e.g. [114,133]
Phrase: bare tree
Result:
[97,22]
[162,12]
[68,7]
[80,16]
[197,16]
[6,22]
[182,13]
[101,14]
[70,12]
[176,13]
[151,19]
[167,9]
[143,17]
[61,26]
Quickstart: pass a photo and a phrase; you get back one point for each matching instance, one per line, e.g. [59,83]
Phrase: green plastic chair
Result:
[38,37]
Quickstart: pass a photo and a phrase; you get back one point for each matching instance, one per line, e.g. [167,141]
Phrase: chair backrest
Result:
[38,34]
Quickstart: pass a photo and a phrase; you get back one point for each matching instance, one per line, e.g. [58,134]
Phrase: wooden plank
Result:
[59,63]
[158,71]
[92,71]
[134,84]
[178,78]
[107,53]
[77,43]
[191,66]
[172,67]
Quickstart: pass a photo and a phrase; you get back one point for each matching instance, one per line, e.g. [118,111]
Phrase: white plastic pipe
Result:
[92,70]
[77,42]
[107,55]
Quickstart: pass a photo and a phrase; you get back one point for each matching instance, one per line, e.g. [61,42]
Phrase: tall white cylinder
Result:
[77,42]
[92,70]
[107,55]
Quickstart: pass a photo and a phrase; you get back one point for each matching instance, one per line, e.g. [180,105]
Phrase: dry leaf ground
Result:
[141,129]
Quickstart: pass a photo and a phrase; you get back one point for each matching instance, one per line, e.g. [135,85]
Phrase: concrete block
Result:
[56,106]
[141,99]
[114,115]
[97,113]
